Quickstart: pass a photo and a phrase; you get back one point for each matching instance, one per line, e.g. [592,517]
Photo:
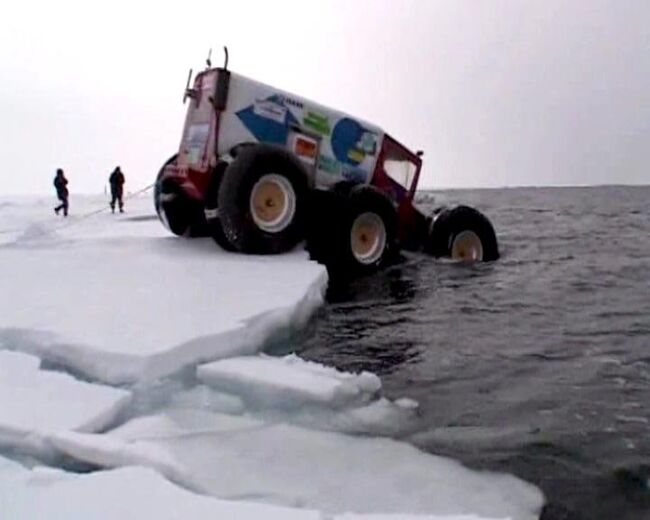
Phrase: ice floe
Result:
[244,458]
[135,493]
[289,381]
[309,394]
[121,309]
[35,403]
[124,494]
[115,299]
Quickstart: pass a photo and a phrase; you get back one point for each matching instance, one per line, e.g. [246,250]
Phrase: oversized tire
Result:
[178,213]
[356,232]
[462,233]
[262,200]
[211,208]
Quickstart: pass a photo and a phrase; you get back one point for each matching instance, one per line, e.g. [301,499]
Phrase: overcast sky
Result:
[497,93]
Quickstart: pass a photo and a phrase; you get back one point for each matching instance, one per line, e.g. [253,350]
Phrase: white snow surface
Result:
[118,300]
[246,458]
[124,494]
[136,493]
[289,381]
[35,403]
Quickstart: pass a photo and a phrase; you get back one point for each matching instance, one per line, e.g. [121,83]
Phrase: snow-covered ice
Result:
[117,300]
[244,458]
[35,403]
[123,494]
[127,304]
[135,493]
[308,394]
[289,381]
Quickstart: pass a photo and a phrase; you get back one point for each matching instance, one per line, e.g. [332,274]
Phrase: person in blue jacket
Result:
[61,186]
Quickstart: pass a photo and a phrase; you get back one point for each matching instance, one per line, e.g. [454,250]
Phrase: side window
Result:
[401,171]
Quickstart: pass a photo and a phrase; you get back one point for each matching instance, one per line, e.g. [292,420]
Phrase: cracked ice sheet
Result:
[35,403]
[132,494]
[301,392]
[244,458]
[289,381]
[125,494]
[120,300]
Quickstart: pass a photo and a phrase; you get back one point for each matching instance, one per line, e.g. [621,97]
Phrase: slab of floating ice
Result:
[289,381]
[122,305]
[235,457]
[34,402]
[296,391]
[135,493]
[127,493]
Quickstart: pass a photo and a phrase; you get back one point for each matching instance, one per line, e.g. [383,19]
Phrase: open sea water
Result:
[537,364]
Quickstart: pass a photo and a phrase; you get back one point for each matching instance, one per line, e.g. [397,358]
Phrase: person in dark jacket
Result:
[61,185]
[116,181]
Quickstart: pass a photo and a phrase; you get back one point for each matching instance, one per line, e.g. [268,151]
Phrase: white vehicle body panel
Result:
[333,145]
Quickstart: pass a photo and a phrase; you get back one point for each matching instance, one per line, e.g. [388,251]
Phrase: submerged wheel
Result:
[355,232]
[462,234]
[262,200]
[466,246]
[180,214]
[368,238]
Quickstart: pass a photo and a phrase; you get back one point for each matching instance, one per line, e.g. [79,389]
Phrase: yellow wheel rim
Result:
[273,203]
[368,238]
[467,247]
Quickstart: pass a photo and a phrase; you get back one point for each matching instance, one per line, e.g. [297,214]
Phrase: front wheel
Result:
[463,234]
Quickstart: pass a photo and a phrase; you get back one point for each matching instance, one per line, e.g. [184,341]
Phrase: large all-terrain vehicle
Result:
[260,170]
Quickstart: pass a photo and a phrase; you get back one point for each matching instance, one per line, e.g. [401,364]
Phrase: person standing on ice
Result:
[116,181]
[61,185]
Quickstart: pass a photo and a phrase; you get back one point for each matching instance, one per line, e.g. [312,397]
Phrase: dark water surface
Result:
[538,364]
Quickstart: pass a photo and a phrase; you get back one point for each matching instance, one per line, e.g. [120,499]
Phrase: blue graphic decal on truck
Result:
[268,120]
[351,142]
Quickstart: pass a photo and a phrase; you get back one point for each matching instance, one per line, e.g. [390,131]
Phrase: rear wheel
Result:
[211,209]
[262,200]
[180,214]
[462,234]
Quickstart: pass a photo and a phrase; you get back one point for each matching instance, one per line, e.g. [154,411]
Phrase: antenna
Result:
[188,91]
[225,51]
[208,62]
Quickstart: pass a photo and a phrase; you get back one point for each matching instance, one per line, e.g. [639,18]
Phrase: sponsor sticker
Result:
[270,110]
[368,143]
[356,156]
[305,148]
[329,165]
[319,123]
